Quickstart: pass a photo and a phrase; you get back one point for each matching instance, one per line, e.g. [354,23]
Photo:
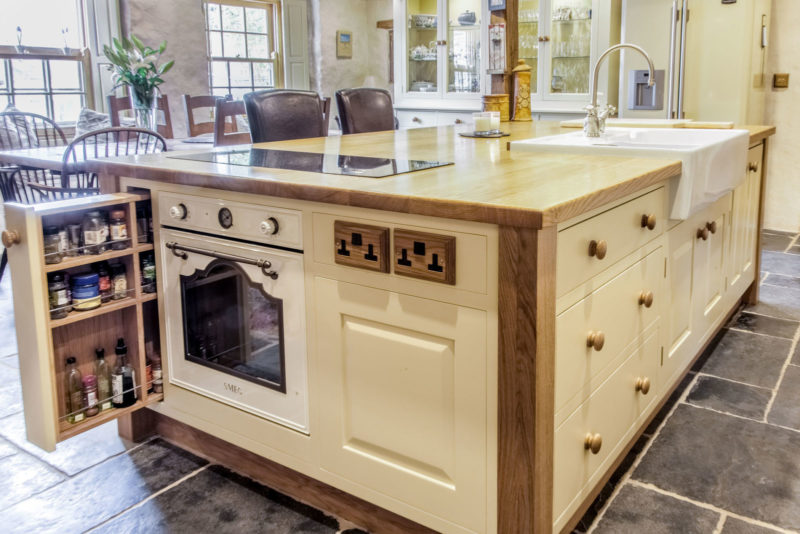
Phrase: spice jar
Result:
[148,273]
[73,387]
[104,281]
[90,395]
[142,225]
[119,281]
[59,297]
[74,233]
[118,227]
[52,245]
[95,232]
[85,291]
[158,381]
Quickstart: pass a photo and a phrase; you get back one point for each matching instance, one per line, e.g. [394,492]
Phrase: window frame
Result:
[273,8]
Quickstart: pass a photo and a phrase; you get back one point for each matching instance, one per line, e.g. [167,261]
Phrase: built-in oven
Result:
[234,305]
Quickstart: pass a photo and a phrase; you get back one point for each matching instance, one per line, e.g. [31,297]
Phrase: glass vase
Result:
[145,107]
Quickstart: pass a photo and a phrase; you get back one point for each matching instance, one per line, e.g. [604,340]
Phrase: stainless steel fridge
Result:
[713,61]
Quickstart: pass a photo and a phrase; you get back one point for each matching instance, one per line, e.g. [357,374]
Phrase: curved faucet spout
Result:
[594,124]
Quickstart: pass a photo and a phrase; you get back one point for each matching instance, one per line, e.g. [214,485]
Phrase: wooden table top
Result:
[487,183]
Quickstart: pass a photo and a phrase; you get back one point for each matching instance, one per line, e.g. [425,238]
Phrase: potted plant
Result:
[137,66]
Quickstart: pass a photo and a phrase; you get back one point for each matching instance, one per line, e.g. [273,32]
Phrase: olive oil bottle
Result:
[74,390]
[122,379]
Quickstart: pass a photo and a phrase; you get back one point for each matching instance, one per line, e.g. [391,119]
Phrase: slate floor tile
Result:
[775,242]
[230,504]
[780,263]
[73,455]
[664,411]
[731,463]
[795,249]
[22,475]
[796,355]
[782,280]
[12,360]
[749,358]
[785,410]
[637,509]
[10,391]
[737,526]
[730,397]
[99,493]
[776,301]
[761,324]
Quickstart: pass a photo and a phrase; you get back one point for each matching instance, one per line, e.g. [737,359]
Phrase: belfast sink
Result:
[713,160]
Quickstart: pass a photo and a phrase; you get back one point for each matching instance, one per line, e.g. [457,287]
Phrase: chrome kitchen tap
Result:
[595,122]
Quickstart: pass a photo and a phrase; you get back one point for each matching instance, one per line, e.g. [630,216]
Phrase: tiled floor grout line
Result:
[720,523]
[760,421]
[151,497]
[783,372]
[638,460]
[792,243]
[764,276]
[707,506]
[732,380]
[759,333]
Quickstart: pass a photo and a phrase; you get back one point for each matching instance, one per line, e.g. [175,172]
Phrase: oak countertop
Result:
[487,183]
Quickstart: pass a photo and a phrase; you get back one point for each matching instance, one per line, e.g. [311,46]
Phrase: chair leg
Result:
[3,263]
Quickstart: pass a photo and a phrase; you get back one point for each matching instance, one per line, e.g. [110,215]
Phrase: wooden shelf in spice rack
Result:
[44,343]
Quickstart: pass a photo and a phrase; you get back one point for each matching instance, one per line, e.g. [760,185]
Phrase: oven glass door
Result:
[232,325]
[235,324]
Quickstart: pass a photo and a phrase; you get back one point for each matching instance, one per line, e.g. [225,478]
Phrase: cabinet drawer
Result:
[615,311]
[612,412]
[444,118]
[416,119]
[619,231]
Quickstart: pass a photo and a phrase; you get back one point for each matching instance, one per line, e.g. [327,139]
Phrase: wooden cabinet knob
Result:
[459,121]
[10,238]
[643,385]
[649,221]
[712,227]
[598,249]
[596,340]
[702,233]
[646,299]
[416,119]
[752,166]
[593,442]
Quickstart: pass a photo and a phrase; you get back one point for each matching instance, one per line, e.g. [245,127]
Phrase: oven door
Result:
[235,324]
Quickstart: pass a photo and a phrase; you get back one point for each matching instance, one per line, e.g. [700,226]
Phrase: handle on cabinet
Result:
[702,233]
[416,119]
[752,166]
[10,238]
[646,299]
[712,227]
[459,121]
[643,385]
[649,221]
[596,340]
[598,249]
[593,442]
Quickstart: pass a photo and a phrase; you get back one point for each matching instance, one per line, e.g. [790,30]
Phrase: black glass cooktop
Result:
[314,162]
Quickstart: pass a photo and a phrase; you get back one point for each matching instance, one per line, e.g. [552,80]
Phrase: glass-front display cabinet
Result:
[438,51]
[561,40]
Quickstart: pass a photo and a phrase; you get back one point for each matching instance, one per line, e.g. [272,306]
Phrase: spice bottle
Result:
[142,225]
[122,379]
[148,273]
[63,240]
[118,227]
[158,380]
[74,231]
[59,296]
[90,396]
[85,291]
[74,389]
[52,245]
[95,232]
[119,281]
[104,281]
[103,375]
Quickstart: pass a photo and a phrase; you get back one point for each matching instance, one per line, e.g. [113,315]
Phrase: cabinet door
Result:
[421,46]
[463,66]
[744,222]
[402,385]
[529,37]
[45,341]
[681,336]
[709,264]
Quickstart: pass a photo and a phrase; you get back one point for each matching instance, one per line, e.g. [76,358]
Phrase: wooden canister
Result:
[522,91]
[497,103]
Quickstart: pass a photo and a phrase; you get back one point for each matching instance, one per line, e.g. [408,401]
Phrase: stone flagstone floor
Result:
[723,455]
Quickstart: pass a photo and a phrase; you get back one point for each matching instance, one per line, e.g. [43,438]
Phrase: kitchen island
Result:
[482,342]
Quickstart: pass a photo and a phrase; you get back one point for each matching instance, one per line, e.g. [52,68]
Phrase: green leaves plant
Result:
[136,65]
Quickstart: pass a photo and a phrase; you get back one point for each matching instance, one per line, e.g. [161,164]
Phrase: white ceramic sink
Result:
[713,160]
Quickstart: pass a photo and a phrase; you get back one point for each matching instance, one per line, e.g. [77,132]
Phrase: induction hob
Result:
[314,162]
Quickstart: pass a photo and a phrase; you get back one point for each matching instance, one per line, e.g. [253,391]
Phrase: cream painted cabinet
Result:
[710,251]
[744,222]
[404,386]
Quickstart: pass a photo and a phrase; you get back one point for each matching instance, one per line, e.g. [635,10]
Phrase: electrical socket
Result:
[361,245]
[426,256]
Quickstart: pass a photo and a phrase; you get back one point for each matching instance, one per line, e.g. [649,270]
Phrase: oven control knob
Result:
[269,226]
[178,212]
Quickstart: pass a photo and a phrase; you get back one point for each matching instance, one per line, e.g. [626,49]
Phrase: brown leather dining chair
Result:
[365,110]
[224,110]
[280,115]
[119,104]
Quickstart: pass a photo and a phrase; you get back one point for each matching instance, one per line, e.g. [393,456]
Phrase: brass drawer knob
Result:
[752,166]
[10,237]
[593,442]
[643,385]
[598,249]
[649,221]
[416,119]
[702,233]
[596,340]
[712,227]
[646,299]
[459,121]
